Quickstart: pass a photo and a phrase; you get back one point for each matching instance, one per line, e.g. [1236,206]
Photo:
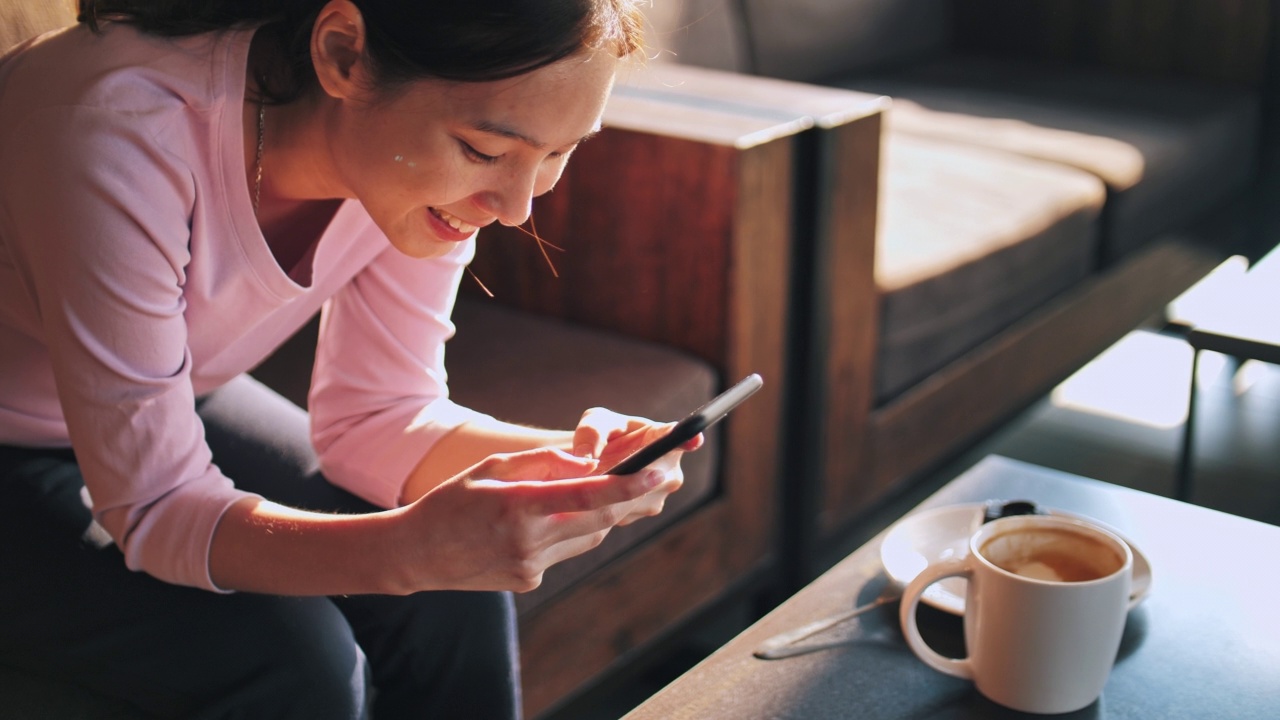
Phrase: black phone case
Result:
[685,430]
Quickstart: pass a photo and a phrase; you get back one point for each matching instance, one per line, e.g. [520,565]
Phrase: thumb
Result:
[588,441]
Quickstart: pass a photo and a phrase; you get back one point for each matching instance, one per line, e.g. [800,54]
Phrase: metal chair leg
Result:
[1185,476]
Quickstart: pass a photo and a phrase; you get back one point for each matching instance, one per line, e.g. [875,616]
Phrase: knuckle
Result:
[528,575]
[509,513]
[524,548]
[505,459]
[490,467]
[582,498]
[518,544]
[526,580]
[611,515]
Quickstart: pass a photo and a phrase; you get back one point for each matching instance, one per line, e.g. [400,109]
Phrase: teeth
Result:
[454,222]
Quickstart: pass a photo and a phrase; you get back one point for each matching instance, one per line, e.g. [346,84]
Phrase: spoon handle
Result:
[778,646]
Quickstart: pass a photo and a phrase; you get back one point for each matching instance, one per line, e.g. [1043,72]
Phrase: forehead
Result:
[556,104]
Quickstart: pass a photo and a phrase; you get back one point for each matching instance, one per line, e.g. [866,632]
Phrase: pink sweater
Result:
[134,278]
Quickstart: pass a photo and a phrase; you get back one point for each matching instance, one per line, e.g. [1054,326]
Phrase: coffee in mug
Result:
[1045,609]
[1052,554]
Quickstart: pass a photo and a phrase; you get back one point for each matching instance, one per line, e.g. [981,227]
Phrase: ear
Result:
[337,49]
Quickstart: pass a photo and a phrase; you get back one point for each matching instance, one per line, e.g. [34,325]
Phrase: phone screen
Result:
[692,424]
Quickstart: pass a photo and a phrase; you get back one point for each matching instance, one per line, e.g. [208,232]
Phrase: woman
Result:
[181,186]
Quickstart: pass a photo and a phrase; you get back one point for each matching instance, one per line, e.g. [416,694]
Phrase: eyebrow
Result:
[493,128]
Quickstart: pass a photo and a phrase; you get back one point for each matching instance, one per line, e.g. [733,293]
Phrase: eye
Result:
[476,155]
[561,155]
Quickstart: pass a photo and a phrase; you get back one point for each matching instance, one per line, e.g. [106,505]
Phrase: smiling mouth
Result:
[453,221]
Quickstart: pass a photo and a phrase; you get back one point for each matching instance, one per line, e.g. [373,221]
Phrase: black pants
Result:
[72,611]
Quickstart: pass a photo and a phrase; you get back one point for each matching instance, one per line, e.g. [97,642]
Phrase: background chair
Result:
[1052,175]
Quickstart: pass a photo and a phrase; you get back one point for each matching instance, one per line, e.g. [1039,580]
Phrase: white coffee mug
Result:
[1044,611]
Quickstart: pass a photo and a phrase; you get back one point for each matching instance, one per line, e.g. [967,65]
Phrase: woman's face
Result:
[441,159]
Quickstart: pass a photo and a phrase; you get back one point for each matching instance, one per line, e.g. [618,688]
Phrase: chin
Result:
[424,248]
[423,251]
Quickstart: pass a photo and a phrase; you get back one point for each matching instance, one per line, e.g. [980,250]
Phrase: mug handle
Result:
[957,567]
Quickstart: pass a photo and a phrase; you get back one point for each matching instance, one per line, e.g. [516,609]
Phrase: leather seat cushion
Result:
[970,241]
[1169,152]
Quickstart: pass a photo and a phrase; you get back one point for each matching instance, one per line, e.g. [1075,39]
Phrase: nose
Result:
[511,202]
[518,214]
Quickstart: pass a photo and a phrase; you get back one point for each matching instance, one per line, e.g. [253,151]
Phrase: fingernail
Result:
[584,451]
[652,478]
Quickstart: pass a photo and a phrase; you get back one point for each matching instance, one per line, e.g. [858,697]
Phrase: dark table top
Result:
[1204,644]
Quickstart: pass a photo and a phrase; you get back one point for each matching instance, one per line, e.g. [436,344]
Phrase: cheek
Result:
[408,180]
[412,164]
[547,178]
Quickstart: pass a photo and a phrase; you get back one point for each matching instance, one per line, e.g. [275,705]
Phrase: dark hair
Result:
[462,40]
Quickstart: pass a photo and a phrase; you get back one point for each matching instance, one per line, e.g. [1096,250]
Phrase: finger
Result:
[666,464]
[697,442]
[632,439]
[669,465]
[594,430]
[623,513]
[540,464]
[527,574]
[590,493]
[565,526]
[588,441]
[646,509]
[572,547]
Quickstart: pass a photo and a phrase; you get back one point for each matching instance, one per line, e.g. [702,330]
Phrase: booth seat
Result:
[1051,175]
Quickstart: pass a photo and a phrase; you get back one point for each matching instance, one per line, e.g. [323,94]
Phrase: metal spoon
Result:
[783,645]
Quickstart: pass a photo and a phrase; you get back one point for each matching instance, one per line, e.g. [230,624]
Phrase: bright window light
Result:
[1145,379]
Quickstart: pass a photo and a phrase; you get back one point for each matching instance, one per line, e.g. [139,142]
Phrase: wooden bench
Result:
[678,222]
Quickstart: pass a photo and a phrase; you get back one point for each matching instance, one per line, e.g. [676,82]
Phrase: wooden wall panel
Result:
[646,224]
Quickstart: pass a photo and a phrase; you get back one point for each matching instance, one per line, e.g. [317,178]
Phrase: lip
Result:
[444,230]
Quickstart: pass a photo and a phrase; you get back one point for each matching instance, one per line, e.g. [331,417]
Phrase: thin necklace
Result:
[257,160]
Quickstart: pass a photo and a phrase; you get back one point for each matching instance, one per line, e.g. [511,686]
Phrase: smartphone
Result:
[685,430]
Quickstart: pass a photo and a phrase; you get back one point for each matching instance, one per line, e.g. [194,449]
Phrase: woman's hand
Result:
[503,522]
[612,437]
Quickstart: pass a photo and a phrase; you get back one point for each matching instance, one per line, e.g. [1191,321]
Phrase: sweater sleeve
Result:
[97,227]
[379,397]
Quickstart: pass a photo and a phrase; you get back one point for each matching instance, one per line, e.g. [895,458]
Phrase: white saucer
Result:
[943,533]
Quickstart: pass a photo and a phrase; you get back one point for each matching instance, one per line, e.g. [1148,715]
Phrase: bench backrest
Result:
[804,40]
[1219,41]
